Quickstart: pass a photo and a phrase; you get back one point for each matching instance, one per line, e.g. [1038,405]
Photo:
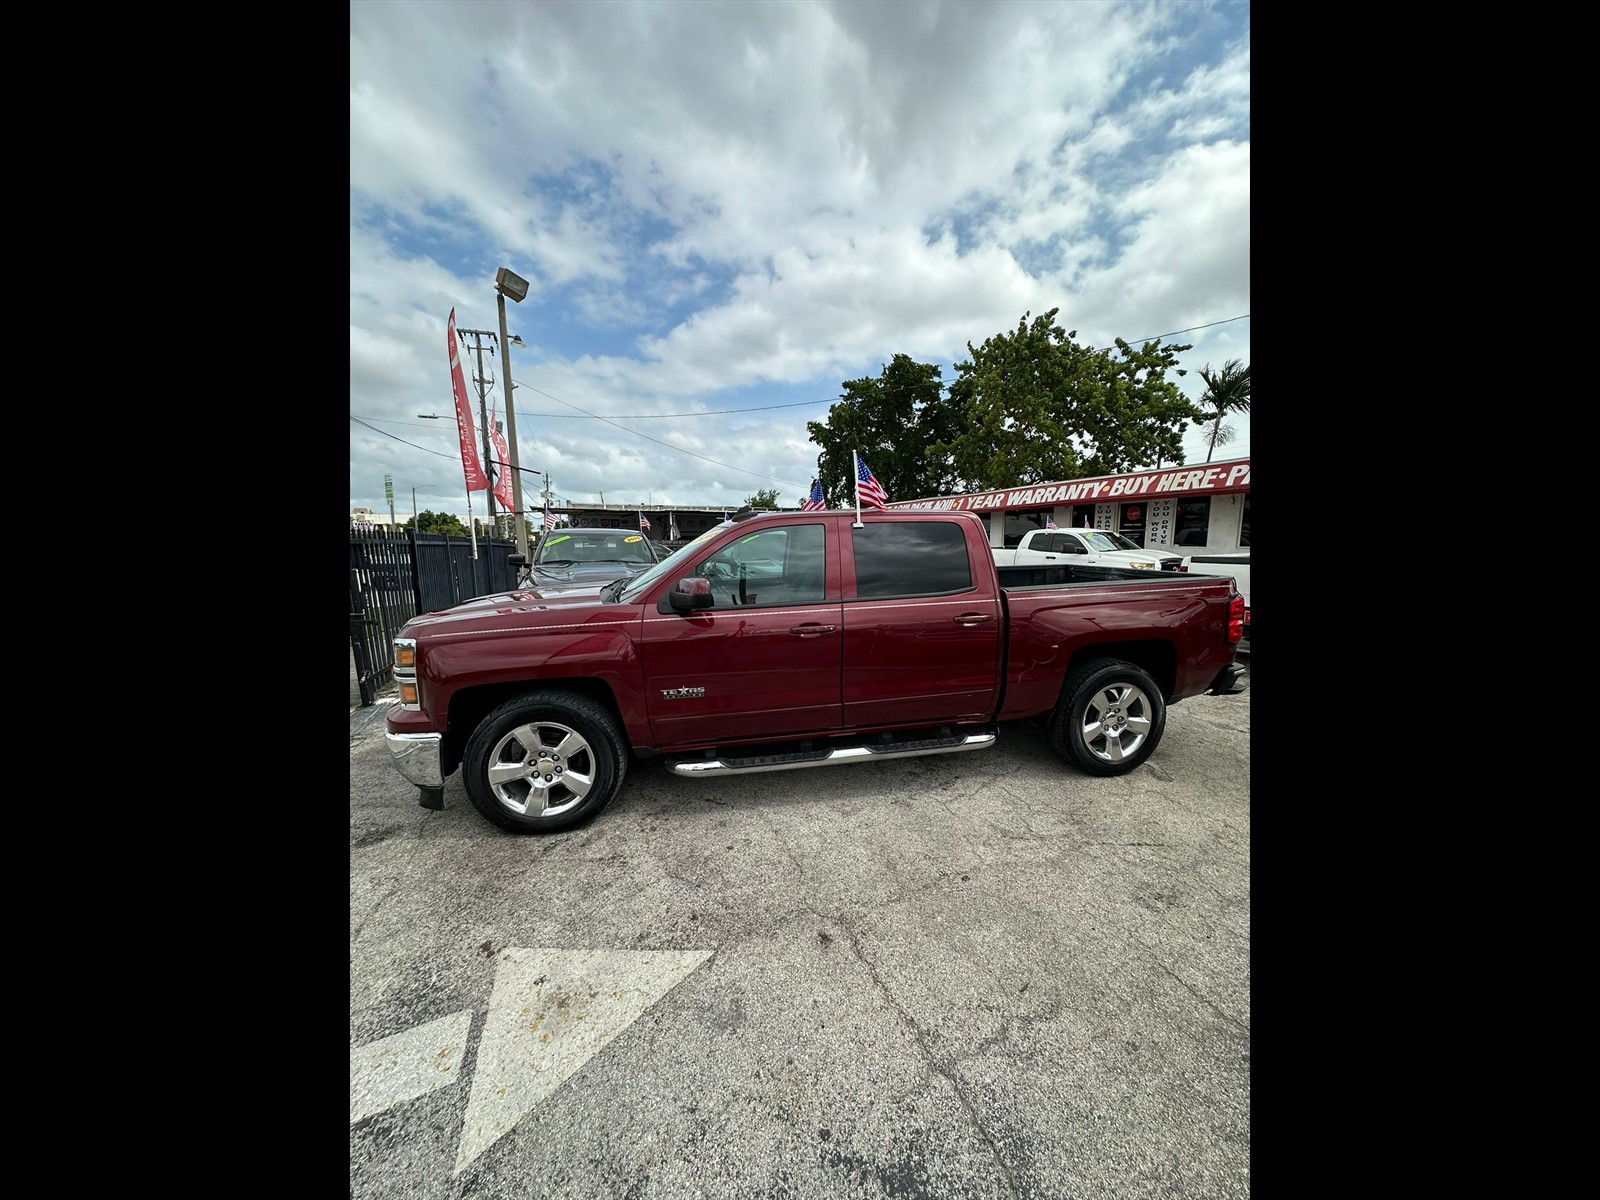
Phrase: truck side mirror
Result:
[690,593]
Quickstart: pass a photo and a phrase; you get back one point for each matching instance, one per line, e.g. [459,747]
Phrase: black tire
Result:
[571,736]
[1109,719]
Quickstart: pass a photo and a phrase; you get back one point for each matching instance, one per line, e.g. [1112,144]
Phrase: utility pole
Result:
[509,283]
[483,414]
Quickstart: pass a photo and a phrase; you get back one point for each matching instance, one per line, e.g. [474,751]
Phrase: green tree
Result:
[432,522]
[1035,405]
[897,422]
[765,498]
[1227,390]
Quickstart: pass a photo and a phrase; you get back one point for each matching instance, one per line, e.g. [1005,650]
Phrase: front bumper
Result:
[416,756]
[1230,681]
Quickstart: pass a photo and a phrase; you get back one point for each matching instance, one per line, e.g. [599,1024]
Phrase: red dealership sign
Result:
[1143,485]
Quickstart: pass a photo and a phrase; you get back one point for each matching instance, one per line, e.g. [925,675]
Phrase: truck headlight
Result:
[405,671]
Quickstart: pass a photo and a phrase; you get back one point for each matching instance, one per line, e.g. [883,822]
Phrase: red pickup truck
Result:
[798,639]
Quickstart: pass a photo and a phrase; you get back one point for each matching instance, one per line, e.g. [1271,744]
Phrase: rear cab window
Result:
[910,558]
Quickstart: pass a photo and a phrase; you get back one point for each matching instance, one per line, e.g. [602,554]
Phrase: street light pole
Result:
[506,283]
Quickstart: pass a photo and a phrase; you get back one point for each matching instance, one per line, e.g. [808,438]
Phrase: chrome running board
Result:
[828,758]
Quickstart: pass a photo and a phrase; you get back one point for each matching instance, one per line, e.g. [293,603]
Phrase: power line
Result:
[441,454]
[676,449]
[1192,328]
[723,412]
[720,412]
[490,384]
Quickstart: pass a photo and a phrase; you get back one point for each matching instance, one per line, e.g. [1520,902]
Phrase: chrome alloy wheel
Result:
[542,769]
[1116,722]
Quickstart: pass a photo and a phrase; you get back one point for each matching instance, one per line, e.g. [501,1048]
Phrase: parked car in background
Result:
[1086,547]
[1236,565]
[579,558]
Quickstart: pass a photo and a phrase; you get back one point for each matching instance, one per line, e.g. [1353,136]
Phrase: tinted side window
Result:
[910,559]
[783,565]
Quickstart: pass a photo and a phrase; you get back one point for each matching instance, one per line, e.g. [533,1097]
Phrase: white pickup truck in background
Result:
[1231,562]
[1098,547]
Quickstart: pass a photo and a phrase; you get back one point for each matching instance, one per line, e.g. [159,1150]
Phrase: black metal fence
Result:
[396,575]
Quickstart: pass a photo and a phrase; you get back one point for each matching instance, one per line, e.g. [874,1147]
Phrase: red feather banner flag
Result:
[501,467]
[470,466]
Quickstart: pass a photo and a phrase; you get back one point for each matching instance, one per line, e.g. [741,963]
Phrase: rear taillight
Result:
[1235,618]
[1181,567]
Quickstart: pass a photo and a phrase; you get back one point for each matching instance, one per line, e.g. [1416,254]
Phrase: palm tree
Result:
[1227,390]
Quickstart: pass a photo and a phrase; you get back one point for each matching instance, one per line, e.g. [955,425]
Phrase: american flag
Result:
[1049,522]
[816,502]
[550,520]
[644,521]
[868,490]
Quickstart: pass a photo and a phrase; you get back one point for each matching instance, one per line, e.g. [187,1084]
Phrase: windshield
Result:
[643,581]
[1103,540]
[594,546]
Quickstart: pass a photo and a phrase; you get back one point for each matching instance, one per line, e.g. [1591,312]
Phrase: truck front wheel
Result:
[544,761]
[1109,719]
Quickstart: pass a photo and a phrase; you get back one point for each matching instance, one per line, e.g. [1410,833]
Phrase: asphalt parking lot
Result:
[957,976]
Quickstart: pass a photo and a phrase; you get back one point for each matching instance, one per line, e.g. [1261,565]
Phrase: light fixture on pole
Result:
[508,283]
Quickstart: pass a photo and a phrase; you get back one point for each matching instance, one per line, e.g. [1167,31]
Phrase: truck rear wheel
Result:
[1109,719]
[544,761]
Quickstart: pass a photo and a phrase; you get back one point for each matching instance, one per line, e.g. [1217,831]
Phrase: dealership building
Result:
[1198,509]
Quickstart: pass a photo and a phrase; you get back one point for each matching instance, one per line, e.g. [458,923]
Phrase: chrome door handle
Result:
[973,618]
[812,629]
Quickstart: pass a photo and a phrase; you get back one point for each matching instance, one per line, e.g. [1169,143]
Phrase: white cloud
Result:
[731,206]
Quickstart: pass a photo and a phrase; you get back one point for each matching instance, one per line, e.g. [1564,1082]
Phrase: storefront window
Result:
[1130,523]
[1244,523]
[1083,516]
[1193,523]
[1020,524]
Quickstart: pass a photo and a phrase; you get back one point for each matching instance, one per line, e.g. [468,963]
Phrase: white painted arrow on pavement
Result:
[395,1069]
[550,1012]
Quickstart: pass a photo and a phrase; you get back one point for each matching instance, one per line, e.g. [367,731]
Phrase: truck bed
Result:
[1172,624]
[1017,577]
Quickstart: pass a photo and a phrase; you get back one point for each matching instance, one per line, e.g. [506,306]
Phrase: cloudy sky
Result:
[726,210]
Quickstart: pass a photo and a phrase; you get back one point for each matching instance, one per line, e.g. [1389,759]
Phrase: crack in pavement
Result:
[373,911]
[932,1062]
[1207,1001]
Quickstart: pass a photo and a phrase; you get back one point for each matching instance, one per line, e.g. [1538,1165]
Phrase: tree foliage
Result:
[1027,406]
[891,422]
[432,522]
[765,498]
[1036,405]
[1227,390]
